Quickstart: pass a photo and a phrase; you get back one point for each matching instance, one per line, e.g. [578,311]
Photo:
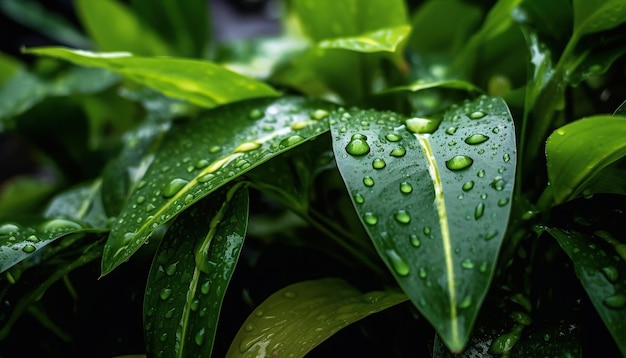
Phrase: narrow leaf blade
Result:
[190,274]
[435,205]
[199,156]
[199,82]
[383,40]
[297,318]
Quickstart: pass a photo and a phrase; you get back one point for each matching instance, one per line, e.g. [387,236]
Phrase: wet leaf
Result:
[597,15]
[601,272]
[129,33]
[77,210]
[436,206]
[190,275]
[383,40]
[422,85]
[198,156]
[297,318]
[571,169]
[200,82]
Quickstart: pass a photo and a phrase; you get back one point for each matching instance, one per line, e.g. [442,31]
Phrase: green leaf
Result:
[199,82]
[184,25]
[327,19]
[77,210]
[382,40]
[190,275]
[436,206]
[597,15]
[600,270]
[422,85]
[114,27]
[200,155]
[297,318]
[23,194]
[9,66]
[621,110]
[573,162]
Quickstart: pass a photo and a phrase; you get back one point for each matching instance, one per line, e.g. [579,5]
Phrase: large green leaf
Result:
[199,82]
[382,40]
[184,25]
[435,205]
[600,270]
[597,15]
[579,151]
[296,319]
[77,210]
[200,155]
[191,272]
[114,27]
[422,85]
[327,19]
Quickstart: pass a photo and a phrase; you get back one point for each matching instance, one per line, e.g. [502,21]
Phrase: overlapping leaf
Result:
[296,319]
[571,169]
[597,15]
[382,40]
[435,205]
[199,82]
[200,155]
[600,270]
[191,272]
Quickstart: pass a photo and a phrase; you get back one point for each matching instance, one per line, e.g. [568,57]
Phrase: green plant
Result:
[455,160]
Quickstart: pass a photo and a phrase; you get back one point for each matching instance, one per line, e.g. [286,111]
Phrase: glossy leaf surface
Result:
[297,318]
[436,206]
[200,82]
[570,168]
[190,274]
[200,155]
[383,40]
[422,85]
[597,15]
[600,270]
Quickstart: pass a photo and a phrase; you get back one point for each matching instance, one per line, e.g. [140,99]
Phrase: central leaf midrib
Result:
[433,170]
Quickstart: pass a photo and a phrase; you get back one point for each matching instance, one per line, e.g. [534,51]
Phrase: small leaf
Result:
[198,156]
[597,15]
[601,272]
[383,40]
[190,275]
[82,203]
[435,205]
[297,318]
[199,82]
[570,167]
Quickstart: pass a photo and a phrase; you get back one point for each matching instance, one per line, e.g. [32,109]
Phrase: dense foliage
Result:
[382,178]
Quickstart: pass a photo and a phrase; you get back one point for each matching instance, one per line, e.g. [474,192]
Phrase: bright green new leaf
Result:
[198,156]
[199,82]
[422,85]
[190,275]
[77,210]
[579,151]
[597,15]
[297,318]
[328,19]
[435,202]
[382,40]
[599,268]
[114,27]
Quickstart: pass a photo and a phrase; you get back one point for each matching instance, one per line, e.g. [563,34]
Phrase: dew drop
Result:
[174,186]
[246,147]
[255,114]
[459,162]
[465,302]
[498,183]
[611,273]
[319,114]
[290,141]
[615,301]
[60,224]
[358,198]
[150,207]
[421,125]
[141,199]
[171,269]
[467,186]
[368,181]
[495,130]
[406,187]
[32,238]
[163,337]
[475,139]
[402,216]
[481,173]
[358,145]
[165,293]
[467,264]
[491,234]
[370,218]
[378,164]
[205,178]
[215,149]
[400,266]
[422,273]
[451,130]
[415,240]
[29,249]
[8,229]
[479,211]
[427,230]
[506,157]
[199,338]
[392,137]
[477,115]
[194,305]
[204,288]
[398,152]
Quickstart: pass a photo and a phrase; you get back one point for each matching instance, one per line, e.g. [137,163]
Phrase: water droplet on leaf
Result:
[174,186]
[199,338]
[398,152]
[415,240]
[406,187]
[246,147]
[165,293]
[399,265]
[479,211]
[477,115]
[459,162]
[467,264]
[402,217]
[451,130]
[368,181]
[467,186]
[358,198]
[358,145]
[475,139]
[29,249]
[611,273]
[293,140]
[392,137]
[615,301]
[378,164]
[370,218]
